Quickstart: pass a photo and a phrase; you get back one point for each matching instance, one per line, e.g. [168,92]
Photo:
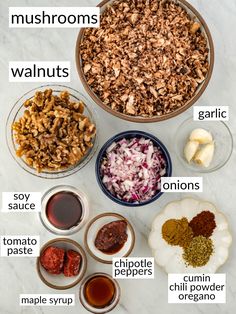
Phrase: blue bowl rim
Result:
[130,134]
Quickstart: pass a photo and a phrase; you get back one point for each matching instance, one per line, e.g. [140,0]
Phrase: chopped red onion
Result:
[132,169]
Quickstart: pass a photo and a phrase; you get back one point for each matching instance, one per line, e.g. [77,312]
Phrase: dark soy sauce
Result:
[64,210]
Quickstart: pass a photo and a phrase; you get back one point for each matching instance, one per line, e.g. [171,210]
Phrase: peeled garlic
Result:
[190,150]
[204,156]
[201,136]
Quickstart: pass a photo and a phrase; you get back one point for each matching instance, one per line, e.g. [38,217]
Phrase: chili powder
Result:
[203,224]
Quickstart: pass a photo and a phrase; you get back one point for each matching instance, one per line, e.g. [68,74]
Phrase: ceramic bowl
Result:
[60,282]
[196,16]
[91,232]
[170,257]
[93,309]
[129,135]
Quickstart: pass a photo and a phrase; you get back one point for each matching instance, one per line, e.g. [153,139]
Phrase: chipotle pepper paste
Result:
[203,224]
[111,237]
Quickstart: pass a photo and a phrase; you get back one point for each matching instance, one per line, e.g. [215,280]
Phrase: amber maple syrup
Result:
[99,291]
[64,210]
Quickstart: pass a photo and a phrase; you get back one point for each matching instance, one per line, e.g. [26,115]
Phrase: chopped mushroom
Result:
[150,49]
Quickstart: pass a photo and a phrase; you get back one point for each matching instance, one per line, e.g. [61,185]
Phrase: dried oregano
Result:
[198,252]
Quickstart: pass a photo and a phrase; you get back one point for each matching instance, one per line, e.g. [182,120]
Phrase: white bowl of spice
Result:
[190,236]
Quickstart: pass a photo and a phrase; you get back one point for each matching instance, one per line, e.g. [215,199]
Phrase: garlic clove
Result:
[201,135]
[205,155]
[190,150]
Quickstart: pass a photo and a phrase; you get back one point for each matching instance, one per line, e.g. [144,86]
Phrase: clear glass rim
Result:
[85,210]
[63,172]
[203,170]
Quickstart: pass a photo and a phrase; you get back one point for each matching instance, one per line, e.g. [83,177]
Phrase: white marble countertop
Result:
[18,275]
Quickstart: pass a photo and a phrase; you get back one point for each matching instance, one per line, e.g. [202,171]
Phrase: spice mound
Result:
[198,252]
[111,237]
[192,236]
[177,232]
[53,133]
[132,169]
[203,224]
[146,59]
[56,261]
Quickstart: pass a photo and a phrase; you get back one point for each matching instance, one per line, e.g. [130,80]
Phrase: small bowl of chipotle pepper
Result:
[109,235]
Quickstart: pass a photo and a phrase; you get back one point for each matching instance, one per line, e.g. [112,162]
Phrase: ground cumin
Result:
[203,224]
[177,232]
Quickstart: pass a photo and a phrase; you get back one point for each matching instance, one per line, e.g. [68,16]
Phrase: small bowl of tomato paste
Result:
[62,263]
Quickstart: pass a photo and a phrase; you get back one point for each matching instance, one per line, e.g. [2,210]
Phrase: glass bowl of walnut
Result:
[51,131]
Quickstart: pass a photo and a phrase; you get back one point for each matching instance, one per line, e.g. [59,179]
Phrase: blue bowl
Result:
[128,135]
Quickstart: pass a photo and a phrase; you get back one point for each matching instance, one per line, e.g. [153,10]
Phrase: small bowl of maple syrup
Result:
[65,210]
[99,293]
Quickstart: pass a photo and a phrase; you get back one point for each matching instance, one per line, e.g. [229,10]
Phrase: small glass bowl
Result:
[60,282]
[17,112]
[91,232]
[221,135]
[95,310]
[85,210]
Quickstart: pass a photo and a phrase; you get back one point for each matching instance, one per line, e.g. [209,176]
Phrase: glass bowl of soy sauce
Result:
[65,210]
